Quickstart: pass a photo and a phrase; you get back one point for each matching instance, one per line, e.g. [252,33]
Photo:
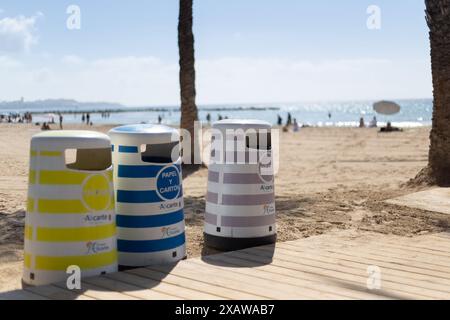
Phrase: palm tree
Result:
[189,113]
[438,20]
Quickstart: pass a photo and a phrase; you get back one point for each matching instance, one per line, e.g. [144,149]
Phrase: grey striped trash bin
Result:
[240,201]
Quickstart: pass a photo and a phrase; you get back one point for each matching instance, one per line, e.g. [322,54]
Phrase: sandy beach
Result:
[329,179]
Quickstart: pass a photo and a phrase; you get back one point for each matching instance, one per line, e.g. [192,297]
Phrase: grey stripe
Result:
[238,178]
[244,178]
[248,221]
[245,157]
[213,176]
[247,199]
[212,197]
[211,218]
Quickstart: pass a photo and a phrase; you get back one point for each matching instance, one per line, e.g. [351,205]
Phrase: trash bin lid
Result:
[76,139]
[241,124]
[153,133]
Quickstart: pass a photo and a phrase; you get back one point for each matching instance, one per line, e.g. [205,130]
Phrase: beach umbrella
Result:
[386,107]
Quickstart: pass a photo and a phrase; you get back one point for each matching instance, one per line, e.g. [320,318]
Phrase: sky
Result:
[247,51]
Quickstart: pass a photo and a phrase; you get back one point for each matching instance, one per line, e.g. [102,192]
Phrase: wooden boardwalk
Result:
[324,267]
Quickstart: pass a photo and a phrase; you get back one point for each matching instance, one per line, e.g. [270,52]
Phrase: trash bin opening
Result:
[88,159]
[259,140]
[160,153]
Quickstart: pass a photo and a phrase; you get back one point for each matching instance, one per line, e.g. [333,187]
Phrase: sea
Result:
[414,113]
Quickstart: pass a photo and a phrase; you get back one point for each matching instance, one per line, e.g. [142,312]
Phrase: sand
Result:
[329,179]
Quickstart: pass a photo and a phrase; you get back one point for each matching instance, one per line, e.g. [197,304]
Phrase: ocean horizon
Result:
[414,112]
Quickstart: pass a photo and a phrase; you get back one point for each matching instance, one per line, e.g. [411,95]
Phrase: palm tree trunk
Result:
[438,19]
[189,113]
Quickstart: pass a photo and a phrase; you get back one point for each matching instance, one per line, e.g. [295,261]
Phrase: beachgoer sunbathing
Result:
[390,128]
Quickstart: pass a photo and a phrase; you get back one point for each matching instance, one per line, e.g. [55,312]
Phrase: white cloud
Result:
[8,63]
[276,80]
[151,81]
[72,60]
[18,34]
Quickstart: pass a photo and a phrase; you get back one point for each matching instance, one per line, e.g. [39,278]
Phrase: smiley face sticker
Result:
[96,193]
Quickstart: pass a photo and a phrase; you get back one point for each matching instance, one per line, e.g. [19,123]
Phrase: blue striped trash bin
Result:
[240,200]
[149,195]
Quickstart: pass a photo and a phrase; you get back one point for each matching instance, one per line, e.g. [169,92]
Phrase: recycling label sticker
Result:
[168,183]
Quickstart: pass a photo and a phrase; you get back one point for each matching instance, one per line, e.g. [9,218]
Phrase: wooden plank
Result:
[255,278]
[277,279]
[434,200]
[56,293]
[395,276]
[98,292]
[328,268]
[342,279]
[191,284]
[377,253]
[440,246]
[418,249]
[142,283]
[406,267]
[426,261]
[290,276]
[167,288]
[233,283]
[392,260]
[21,295]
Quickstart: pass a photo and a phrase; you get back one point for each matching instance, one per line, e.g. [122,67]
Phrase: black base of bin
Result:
[232,244]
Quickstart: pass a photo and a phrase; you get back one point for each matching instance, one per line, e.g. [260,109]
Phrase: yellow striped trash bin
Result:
[70,218]
[240,200]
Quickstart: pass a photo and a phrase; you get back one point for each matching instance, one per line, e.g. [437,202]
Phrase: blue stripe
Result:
[151,245]
[138,171]
[126,171]
[159,220]
[149,196]
[128,149]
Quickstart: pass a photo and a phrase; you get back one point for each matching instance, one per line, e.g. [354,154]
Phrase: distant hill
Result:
[56,105]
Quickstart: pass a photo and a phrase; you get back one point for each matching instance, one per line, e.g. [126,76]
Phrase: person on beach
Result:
[373,123]
[289,120]
[361,123]
[208,118]
[88,119]
[83,118]
[296,127]
[159,119]
[280,121]
[61,121]
[220,117]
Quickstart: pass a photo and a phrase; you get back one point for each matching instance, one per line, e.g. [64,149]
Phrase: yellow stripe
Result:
[61,206]
[76,234]
[34,153]
[62,177]
[50,153]
[28,232]
[32,177]
[112,205]
[84,262]
[27,260]
[30,205]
